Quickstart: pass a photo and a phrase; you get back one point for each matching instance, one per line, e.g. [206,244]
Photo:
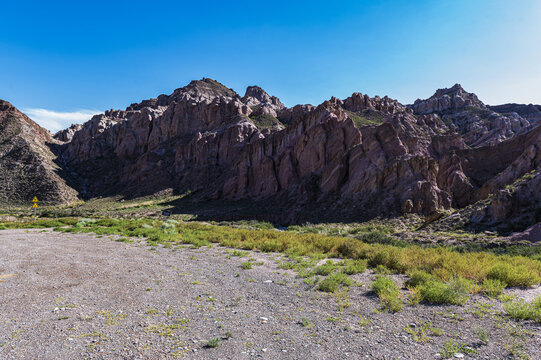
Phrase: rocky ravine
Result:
[371,154]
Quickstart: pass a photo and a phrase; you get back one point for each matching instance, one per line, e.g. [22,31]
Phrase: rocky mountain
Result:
[478,124]
[347,159]
[27,164]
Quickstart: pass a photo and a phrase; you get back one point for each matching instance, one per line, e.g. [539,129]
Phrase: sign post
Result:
[35,206]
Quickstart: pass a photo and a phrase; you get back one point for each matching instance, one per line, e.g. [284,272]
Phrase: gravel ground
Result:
[79,296]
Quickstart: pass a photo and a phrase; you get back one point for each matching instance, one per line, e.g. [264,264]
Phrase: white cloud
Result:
[57,120]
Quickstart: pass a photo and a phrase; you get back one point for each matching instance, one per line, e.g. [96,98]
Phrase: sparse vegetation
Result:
[451,347]
[213,343]
[333,282]
[493,287]
[482,335]
[355,267]
[366,118]
[266,121]
[246,265]
[421,263]
[422,331]
[388,293]
[522,310]
[455,292]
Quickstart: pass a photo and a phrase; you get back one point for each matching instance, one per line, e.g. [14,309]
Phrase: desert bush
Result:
[390,257]
[388,293]
[332,283]
[493,287]
[418,277]
[107,222]
[382,270]
[454,292]
[213,343]
[355,267]
[514,274]
[85,222]
[325,269]
[522,310]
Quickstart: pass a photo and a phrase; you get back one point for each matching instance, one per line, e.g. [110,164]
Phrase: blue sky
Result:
[64,60]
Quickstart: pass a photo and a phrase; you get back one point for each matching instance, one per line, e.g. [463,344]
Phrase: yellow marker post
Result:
[35,206]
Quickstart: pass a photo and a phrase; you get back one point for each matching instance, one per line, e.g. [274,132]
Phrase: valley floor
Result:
[75,296]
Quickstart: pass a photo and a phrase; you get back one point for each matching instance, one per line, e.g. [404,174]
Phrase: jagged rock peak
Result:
[455,89]
[204,89]
[452,98]
[257,93]
[261,102]
[357,102]
[207,87]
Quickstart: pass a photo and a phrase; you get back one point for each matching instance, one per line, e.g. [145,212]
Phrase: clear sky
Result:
[61,61]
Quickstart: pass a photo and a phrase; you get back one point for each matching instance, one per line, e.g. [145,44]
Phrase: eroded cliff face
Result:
[205,137]
[364,153]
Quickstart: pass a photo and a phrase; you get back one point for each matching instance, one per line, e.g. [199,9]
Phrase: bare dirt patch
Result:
[83,296]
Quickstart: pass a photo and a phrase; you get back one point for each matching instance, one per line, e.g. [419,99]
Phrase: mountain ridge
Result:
[371,153]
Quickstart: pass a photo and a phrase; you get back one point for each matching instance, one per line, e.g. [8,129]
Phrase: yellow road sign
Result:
[35,199]
[35,205]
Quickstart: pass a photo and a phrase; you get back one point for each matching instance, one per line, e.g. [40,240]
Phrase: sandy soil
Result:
[78,296]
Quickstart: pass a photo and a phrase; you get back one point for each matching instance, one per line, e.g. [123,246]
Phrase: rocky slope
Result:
[530,112]
[478,124]
[347,159]
[27,166]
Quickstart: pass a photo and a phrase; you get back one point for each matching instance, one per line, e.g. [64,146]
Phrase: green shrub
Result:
[414,297]
[213,343]
[383,283]
[374,237]
[246,265]
[519,310]
[355,267]
[382,270]
[390,257]
[333,282]
[522,310]
[328,285]
[85,222]
[419,277]
[325,269]
[388,293]
[514,274]
[107,222]
[438,292]
[493,287]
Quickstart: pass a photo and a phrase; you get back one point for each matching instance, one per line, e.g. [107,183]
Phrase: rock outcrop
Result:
[478,124]
[530,112]
[67,134]
[27,164]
